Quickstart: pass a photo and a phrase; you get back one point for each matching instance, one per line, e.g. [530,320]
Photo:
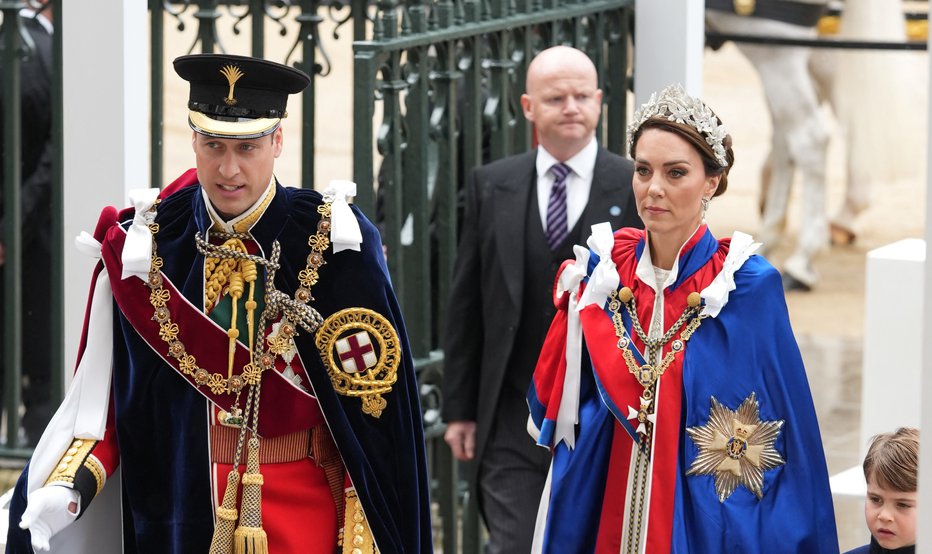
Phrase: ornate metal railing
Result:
[297,21]
[437,92]
[18,47]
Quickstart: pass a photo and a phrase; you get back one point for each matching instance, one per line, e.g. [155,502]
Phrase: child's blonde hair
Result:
[893,459]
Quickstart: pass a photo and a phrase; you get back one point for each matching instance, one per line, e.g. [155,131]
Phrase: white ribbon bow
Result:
[568,414]
[604,278]
[87,245]
[137,251]
[344,229]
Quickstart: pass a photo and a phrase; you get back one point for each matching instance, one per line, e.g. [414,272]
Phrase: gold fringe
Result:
[249,537]
[250,540]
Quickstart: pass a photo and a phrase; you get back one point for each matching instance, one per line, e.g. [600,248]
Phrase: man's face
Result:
[564,105]
[235,172]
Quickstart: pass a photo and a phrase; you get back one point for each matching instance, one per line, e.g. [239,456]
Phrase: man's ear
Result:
[526,107]
[278,140]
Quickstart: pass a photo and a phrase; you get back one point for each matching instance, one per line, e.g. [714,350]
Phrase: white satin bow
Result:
[604,278]
[344,229]
[137,251]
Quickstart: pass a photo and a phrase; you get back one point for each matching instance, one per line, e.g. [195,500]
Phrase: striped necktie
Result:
[557,227]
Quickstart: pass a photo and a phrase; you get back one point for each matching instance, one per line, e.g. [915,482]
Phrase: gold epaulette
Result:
[76,457]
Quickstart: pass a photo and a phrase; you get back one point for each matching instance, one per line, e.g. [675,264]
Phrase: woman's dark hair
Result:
[697,140]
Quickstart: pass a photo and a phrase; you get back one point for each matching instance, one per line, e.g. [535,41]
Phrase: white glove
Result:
[48,513]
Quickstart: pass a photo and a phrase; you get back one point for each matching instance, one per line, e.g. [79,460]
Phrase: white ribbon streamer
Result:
[344,229]
[137,251]
[83,412]
[604,278]
[716,294]
[568,414]
[87,245]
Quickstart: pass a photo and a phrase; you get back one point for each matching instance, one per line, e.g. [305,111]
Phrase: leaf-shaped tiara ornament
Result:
[233,74]
[674,104]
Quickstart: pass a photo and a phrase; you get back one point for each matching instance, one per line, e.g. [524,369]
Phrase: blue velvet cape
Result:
[161,422]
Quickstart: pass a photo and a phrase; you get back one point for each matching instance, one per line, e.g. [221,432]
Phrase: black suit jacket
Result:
[36,144]
[485,302]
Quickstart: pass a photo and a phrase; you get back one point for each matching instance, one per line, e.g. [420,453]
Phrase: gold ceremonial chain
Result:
[648,374]
[248,537]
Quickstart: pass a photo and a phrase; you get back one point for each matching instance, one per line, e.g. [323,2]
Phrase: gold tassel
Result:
[250,274]
[249,537]
[221,543]
[250,540]
[236,292]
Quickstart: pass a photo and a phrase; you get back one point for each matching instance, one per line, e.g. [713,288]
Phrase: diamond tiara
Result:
[674,104]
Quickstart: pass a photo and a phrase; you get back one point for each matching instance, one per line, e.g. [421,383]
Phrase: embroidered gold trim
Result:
[70,461]
[243,225]
[372,380]
[356,537]
[97,470]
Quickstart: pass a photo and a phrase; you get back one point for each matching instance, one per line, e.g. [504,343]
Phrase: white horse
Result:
[796,80]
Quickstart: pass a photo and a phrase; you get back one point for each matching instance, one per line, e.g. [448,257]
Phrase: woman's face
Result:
[669,184]
[890,515]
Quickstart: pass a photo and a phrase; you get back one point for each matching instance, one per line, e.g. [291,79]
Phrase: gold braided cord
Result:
[217,271]
[250,274]
[249,537]
[237,266]
[222,541]
[235,291]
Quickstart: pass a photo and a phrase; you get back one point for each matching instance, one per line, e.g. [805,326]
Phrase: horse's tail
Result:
[873,94]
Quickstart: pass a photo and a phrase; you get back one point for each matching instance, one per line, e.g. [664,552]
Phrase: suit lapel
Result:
[511,200]
[604,197]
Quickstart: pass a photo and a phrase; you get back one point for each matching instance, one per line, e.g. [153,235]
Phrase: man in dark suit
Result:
[523,216]
[37,151]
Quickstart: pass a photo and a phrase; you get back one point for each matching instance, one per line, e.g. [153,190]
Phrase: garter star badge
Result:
[361,352]
[736,447]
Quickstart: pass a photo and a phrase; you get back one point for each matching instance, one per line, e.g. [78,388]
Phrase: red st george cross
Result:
[356,352]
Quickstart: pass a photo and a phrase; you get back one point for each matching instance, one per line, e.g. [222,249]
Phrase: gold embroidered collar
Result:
[246,220]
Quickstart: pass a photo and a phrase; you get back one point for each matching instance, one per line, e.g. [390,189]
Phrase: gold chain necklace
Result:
[262,361]
[648,373]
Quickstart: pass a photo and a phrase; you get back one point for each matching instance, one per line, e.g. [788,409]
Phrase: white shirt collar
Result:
[582,163]
[40,17]
[645,269]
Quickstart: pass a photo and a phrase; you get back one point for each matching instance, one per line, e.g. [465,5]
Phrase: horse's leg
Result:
[822,66]
[794,108]
[776,181]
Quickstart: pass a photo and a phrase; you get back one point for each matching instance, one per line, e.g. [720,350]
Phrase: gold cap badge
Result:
[233,74]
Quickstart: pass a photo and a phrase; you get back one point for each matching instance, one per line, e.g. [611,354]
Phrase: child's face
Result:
[890,515]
